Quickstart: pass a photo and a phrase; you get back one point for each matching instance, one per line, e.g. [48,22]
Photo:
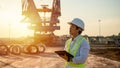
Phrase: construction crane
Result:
[43,27]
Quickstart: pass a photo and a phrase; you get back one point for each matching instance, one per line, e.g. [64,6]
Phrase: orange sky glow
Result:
[90,11]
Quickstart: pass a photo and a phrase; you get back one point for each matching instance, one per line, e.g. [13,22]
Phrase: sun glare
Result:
[20,30]
[12,21]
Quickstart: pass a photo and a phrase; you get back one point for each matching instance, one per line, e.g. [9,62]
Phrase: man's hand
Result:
[66,57]
[70,58]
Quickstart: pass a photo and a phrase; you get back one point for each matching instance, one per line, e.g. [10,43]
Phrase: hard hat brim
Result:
[70,23]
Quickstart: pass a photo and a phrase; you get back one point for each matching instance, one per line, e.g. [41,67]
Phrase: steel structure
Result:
[43,26]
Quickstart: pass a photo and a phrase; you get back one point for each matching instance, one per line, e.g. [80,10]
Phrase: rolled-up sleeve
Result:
[82,53]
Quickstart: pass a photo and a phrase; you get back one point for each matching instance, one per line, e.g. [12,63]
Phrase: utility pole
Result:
[9,31]
[99,21]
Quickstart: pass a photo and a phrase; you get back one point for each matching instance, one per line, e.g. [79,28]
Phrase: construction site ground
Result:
[97,59]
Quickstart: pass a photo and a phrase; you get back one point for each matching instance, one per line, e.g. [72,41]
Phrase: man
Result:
[77,45]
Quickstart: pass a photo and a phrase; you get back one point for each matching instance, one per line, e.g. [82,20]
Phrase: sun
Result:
[20,30]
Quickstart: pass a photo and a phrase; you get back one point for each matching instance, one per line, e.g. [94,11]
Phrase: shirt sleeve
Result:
[82,53]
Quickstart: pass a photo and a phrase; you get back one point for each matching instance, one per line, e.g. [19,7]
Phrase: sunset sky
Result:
[90,11]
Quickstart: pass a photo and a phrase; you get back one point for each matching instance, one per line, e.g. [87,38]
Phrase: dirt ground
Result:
[51,60]
[113,54]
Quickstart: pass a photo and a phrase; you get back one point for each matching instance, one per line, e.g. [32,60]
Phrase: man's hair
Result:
[79,28]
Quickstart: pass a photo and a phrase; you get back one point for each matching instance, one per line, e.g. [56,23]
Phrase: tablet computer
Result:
[62,53]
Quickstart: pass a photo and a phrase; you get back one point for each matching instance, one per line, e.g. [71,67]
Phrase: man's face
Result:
[73,30]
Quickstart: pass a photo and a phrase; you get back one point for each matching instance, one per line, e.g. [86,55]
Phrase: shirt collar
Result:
[76,38]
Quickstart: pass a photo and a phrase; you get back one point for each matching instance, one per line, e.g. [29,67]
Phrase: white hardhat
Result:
[78,22]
